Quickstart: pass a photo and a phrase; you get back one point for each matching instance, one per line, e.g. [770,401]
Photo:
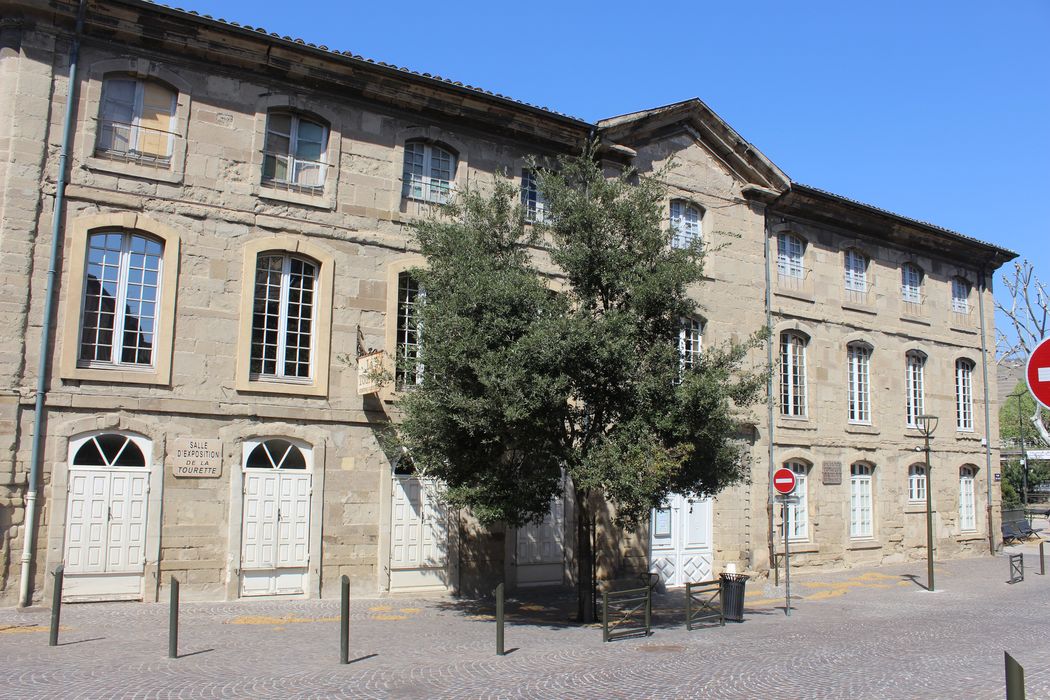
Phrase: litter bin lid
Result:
[734,577]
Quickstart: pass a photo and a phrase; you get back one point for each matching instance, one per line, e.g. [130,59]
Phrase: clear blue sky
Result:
[935,110]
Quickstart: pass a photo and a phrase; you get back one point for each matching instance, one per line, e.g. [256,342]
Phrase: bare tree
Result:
[1029,314]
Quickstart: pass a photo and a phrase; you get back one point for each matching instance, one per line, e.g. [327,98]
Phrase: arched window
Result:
[409,366]
[119,314]
[283,317]
[793,374]
[960,295]
[858,367]
[275,453]
[856,272]
[911,283]
[790,252]
[685,224]
[964,395]
[109,450]
[861,516]
[967,509]
[917,482]
[294,152]
[798,513]
[136,120]
[429,172]
[690,342]
[914,386]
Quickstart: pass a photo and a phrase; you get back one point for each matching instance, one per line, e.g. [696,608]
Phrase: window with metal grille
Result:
[136,121]
[917,482]
[858,361]
[690,343]
[914,387]
[409,332]
[428,173]
[283,318]
[119,315]
[798,513]
[790,251]
[793,375]
[856,271]
[532,199]
[685,224]
[960,296]
[295,151]
[967,509]
[911,283]
[860,520]
[964,395]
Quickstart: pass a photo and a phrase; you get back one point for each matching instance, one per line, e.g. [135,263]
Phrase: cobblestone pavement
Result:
[865,633]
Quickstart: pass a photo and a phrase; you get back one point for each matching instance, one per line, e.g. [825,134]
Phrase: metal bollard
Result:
[605,616]
[1042,559]
[648,610]
[1014,679]
[173,620]
[344,620]
[56,605]
[500,651]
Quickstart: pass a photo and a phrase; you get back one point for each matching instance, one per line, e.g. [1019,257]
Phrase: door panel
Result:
[275,532]
[293,529]
[680,541]
[418,526]
[86,535]
[260,520]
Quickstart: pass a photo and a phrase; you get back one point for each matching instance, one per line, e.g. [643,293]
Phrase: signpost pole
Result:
[787,559]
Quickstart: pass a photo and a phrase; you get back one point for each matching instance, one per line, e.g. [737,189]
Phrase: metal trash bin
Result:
[733,596]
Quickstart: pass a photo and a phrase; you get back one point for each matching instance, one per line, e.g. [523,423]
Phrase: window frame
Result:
[964,410]
[317,254]
[960,304]
[862,477]
[135,125]
[967,501]
[533,202]
[79,232]
[791,263]
[678,214]
[912,293]
[917,483]
[427,179]
[858,383]
[914,387]
[797,533]
[283,318]
[855,271]
[794,387]
[297,117]
[405,312]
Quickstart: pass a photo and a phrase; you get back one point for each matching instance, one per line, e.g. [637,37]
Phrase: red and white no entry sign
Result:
[784,481]
[1037,373]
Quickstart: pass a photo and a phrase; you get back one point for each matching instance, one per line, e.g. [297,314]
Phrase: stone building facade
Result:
[232,233]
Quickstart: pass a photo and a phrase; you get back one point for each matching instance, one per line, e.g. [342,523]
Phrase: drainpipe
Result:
[987,413]
[769,392]
[36,458]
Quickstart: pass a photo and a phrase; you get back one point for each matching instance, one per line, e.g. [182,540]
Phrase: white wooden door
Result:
[87,518]
[541,548]
[680,548]
[126,545]
[275,532]
[418,534]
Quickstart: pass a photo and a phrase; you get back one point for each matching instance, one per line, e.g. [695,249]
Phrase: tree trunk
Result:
[584,558]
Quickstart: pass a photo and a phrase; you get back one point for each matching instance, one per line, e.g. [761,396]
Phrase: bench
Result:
[1018,531]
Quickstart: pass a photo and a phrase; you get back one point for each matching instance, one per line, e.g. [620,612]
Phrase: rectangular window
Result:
[690,343]
[789,256]
[283,318]
[792,375]
[428,172]
[136,121]
[911,284]
[798,513]
[860,501]
[917,482]
[532,199]
[294,153]
[856,272]
[960,296]
[409,332]
[914,387]
[121,290]
[967,510]
[685,224]
[858,359]
[964,395]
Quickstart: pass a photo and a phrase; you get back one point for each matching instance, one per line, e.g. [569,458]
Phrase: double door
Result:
[680,546]
[275,532]
[419,535]
[540,548]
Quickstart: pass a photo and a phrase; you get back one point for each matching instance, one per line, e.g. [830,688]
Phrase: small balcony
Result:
[132,143]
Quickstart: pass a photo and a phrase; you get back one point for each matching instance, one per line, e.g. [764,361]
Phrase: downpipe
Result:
[987,414]
[36,457]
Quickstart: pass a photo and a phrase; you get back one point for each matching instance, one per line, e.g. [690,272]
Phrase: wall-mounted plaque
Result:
[369,373]
[831,473]
[199,458]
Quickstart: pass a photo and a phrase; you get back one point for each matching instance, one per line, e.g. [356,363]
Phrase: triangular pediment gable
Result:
[742,160]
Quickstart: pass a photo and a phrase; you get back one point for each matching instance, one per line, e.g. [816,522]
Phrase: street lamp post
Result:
[927,424]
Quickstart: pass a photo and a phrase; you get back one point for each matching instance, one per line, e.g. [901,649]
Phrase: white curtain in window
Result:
[858,359]
[860,501]
[914,380]
[964,395]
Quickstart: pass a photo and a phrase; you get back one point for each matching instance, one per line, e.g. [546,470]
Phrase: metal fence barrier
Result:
[1016,568]
[703,604]
[621,611]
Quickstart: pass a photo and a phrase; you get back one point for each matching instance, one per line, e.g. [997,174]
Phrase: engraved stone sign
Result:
[198,458]
[831,473]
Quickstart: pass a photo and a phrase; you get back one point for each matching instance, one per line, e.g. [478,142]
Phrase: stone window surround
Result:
[394,268]
[432,135]
[974,471]
[91,102]
[311,109]
[783,284]
[873,481]
[806,460]
[76,253]
[975,393]
[292,245]
[864,341]
[686,202]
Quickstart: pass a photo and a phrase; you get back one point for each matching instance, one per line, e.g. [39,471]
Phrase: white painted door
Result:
[275,533]
[418,535]
[680,547]
[540,549]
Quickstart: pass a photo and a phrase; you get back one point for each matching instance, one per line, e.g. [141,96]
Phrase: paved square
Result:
[866,633]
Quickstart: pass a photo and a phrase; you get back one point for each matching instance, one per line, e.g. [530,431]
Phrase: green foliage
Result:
[521,382]
[1009,430]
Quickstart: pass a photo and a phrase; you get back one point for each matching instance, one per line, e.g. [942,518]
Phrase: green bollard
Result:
[500,651]
[1014,679]
[56,605]
[173,620]
[344,620]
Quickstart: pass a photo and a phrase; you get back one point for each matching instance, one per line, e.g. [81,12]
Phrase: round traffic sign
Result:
[1037,373]
[784,481]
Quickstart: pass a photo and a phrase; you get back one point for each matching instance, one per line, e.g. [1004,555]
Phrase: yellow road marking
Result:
[268,620]
[389,617]
[23,629]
